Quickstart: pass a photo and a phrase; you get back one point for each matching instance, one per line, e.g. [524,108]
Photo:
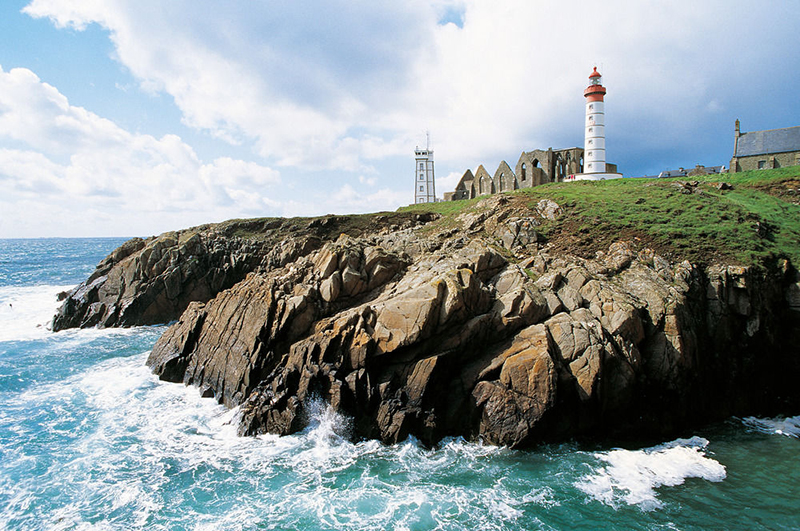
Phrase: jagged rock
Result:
[153,281]
[549,209]
[471,331]
[512,406]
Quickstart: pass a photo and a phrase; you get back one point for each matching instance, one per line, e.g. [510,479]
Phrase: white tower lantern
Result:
[594,156]
[424,187]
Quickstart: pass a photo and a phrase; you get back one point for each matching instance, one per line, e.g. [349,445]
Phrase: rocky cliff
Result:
[466,325]
[153,281]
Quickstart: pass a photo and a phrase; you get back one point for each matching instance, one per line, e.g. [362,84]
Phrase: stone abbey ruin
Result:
[533,168]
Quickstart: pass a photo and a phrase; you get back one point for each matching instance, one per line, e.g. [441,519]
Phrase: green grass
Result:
[710,225]
[704,226]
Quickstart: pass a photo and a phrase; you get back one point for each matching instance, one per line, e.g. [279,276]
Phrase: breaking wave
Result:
[27,311]
[633,476]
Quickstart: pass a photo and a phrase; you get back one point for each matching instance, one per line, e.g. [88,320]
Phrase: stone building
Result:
[532,169]
[483,182]
[758,150]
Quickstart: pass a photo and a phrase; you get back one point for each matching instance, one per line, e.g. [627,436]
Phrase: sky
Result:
[136,117]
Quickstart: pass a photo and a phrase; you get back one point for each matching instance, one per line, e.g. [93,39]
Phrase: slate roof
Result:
[770,141]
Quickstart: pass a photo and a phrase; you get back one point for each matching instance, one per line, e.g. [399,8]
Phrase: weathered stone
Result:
[549,209]
[434,333]
[331,287]
[511,407]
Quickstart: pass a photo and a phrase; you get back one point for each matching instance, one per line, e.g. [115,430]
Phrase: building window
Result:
[762,164]
[421,177]
[591,129]
[591,141]
[421,188]
[591,106]
[421,166]
[524,171]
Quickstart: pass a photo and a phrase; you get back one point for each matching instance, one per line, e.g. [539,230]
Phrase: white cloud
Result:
[332,84]
[448,183]
[348,200]
[293,79]
[369,181]
[350,87]
[78,164]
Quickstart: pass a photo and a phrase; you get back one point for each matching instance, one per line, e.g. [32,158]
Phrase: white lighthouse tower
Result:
[594,147]
[424,186]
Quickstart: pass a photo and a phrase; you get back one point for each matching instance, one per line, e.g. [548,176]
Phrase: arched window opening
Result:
[524,172]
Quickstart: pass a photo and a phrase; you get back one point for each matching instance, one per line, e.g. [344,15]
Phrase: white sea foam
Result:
[26,311]
[543,496]
[789,426]
[131,448]
[632,476]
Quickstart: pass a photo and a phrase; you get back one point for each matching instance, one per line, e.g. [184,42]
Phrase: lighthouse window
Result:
[591,129]
[590,153]
[591,106]
[591,141]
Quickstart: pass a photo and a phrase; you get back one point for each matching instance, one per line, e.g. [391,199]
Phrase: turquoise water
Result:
[89,439]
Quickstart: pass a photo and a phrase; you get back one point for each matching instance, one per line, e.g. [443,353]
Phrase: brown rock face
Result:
[475,331]
[153,281]
[411,340]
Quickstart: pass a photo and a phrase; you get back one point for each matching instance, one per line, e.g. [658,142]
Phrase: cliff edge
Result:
[495,321]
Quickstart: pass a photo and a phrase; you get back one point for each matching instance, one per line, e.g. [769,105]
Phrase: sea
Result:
[91,440]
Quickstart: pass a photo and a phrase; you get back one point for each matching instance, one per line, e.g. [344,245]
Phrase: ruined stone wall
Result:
[504,178]
[533,168]
[483,183]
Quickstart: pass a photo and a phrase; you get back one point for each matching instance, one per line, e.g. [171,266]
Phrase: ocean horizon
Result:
[91,439]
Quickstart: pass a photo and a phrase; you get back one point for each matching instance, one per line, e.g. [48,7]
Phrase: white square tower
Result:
[424,187]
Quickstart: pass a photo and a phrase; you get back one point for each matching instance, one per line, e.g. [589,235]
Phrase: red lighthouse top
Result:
[596,90]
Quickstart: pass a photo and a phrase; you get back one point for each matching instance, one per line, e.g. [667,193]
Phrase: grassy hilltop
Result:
[754,221]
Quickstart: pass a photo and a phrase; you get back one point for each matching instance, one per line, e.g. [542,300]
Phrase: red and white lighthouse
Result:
[594,145]
[594,155]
